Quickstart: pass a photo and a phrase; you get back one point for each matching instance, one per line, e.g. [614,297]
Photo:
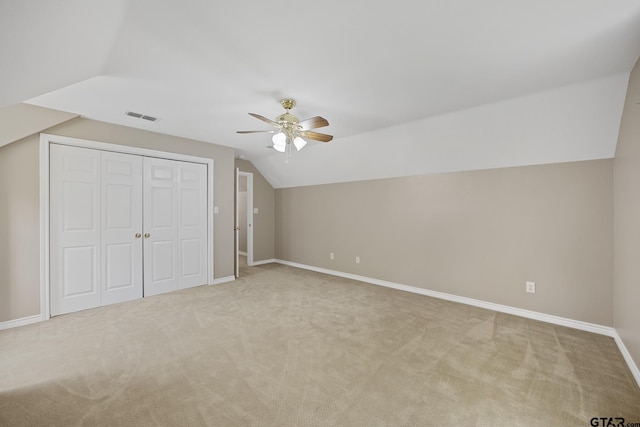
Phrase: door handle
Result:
[138,235]
[147,235]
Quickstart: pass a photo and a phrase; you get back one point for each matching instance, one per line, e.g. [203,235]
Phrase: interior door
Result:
[236,226]
[192,224]
[248,220]
[160,226]
[121,239]
[175,225]
[75,255]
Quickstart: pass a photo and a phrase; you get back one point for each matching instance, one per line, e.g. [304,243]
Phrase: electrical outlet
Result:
[357,260]
[331,256]
[531,287]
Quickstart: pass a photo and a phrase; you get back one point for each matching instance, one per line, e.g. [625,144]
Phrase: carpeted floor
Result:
[289,347]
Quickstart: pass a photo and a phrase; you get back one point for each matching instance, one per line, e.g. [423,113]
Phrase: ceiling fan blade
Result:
[256,131]
[322,137]
[313,123]
[264,119]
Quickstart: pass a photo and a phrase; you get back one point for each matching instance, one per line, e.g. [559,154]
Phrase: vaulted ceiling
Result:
[409,87]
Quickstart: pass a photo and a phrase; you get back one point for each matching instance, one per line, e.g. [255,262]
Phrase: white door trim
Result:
[236,222]
[45,141]
[249,218]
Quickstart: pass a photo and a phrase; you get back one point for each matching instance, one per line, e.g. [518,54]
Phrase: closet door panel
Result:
[192,232]
[160,226]
[75,251]
[121,236]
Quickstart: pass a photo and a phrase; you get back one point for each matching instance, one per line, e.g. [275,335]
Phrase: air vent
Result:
[141,116]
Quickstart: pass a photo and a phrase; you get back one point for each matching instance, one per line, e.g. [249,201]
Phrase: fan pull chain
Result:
[287,150]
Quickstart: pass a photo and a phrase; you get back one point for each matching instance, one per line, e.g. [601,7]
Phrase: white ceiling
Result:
[408,87]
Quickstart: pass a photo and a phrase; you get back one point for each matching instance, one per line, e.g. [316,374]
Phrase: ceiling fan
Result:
[291,131]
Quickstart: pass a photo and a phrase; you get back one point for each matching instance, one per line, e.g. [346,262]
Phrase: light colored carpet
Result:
[289,347]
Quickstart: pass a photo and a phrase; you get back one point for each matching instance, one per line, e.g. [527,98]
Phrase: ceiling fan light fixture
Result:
[279,139]
[291,131]
[299,143]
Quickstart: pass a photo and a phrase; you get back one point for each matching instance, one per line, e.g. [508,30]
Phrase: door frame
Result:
[236,229]
[249,218]
[250,214]
[45,141]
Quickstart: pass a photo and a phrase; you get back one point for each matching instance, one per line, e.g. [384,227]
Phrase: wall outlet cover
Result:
[530,287]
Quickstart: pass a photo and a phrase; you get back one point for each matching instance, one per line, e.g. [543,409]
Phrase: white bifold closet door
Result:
[175,218]
[123,226]
[95,214]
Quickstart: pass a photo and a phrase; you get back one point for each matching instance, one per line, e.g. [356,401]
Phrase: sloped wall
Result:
[626,289]
[22,120]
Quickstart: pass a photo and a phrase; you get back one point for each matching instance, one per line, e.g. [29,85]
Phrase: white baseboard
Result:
[563,321]
[263,261]
[20,322]
[627,357]
[556,320]
[223,280]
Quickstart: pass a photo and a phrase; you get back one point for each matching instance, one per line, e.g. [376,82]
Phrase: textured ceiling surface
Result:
[447,80]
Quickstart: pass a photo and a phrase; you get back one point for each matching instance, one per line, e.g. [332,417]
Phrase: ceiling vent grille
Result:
[141,116]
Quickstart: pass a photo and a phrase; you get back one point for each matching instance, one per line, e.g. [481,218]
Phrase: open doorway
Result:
[244,220]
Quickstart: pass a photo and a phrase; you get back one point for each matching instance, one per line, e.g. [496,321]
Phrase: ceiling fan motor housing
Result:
[287,118]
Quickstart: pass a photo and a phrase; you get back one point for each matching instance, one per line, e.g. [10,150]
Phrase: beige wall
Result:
[19,208]
[264,221]
[22,120]
[626,289]
[19,230]
[478,234]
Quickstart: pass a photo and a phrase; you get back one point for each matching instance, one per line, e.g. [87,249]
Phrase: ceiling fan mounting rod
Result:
[288,103]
